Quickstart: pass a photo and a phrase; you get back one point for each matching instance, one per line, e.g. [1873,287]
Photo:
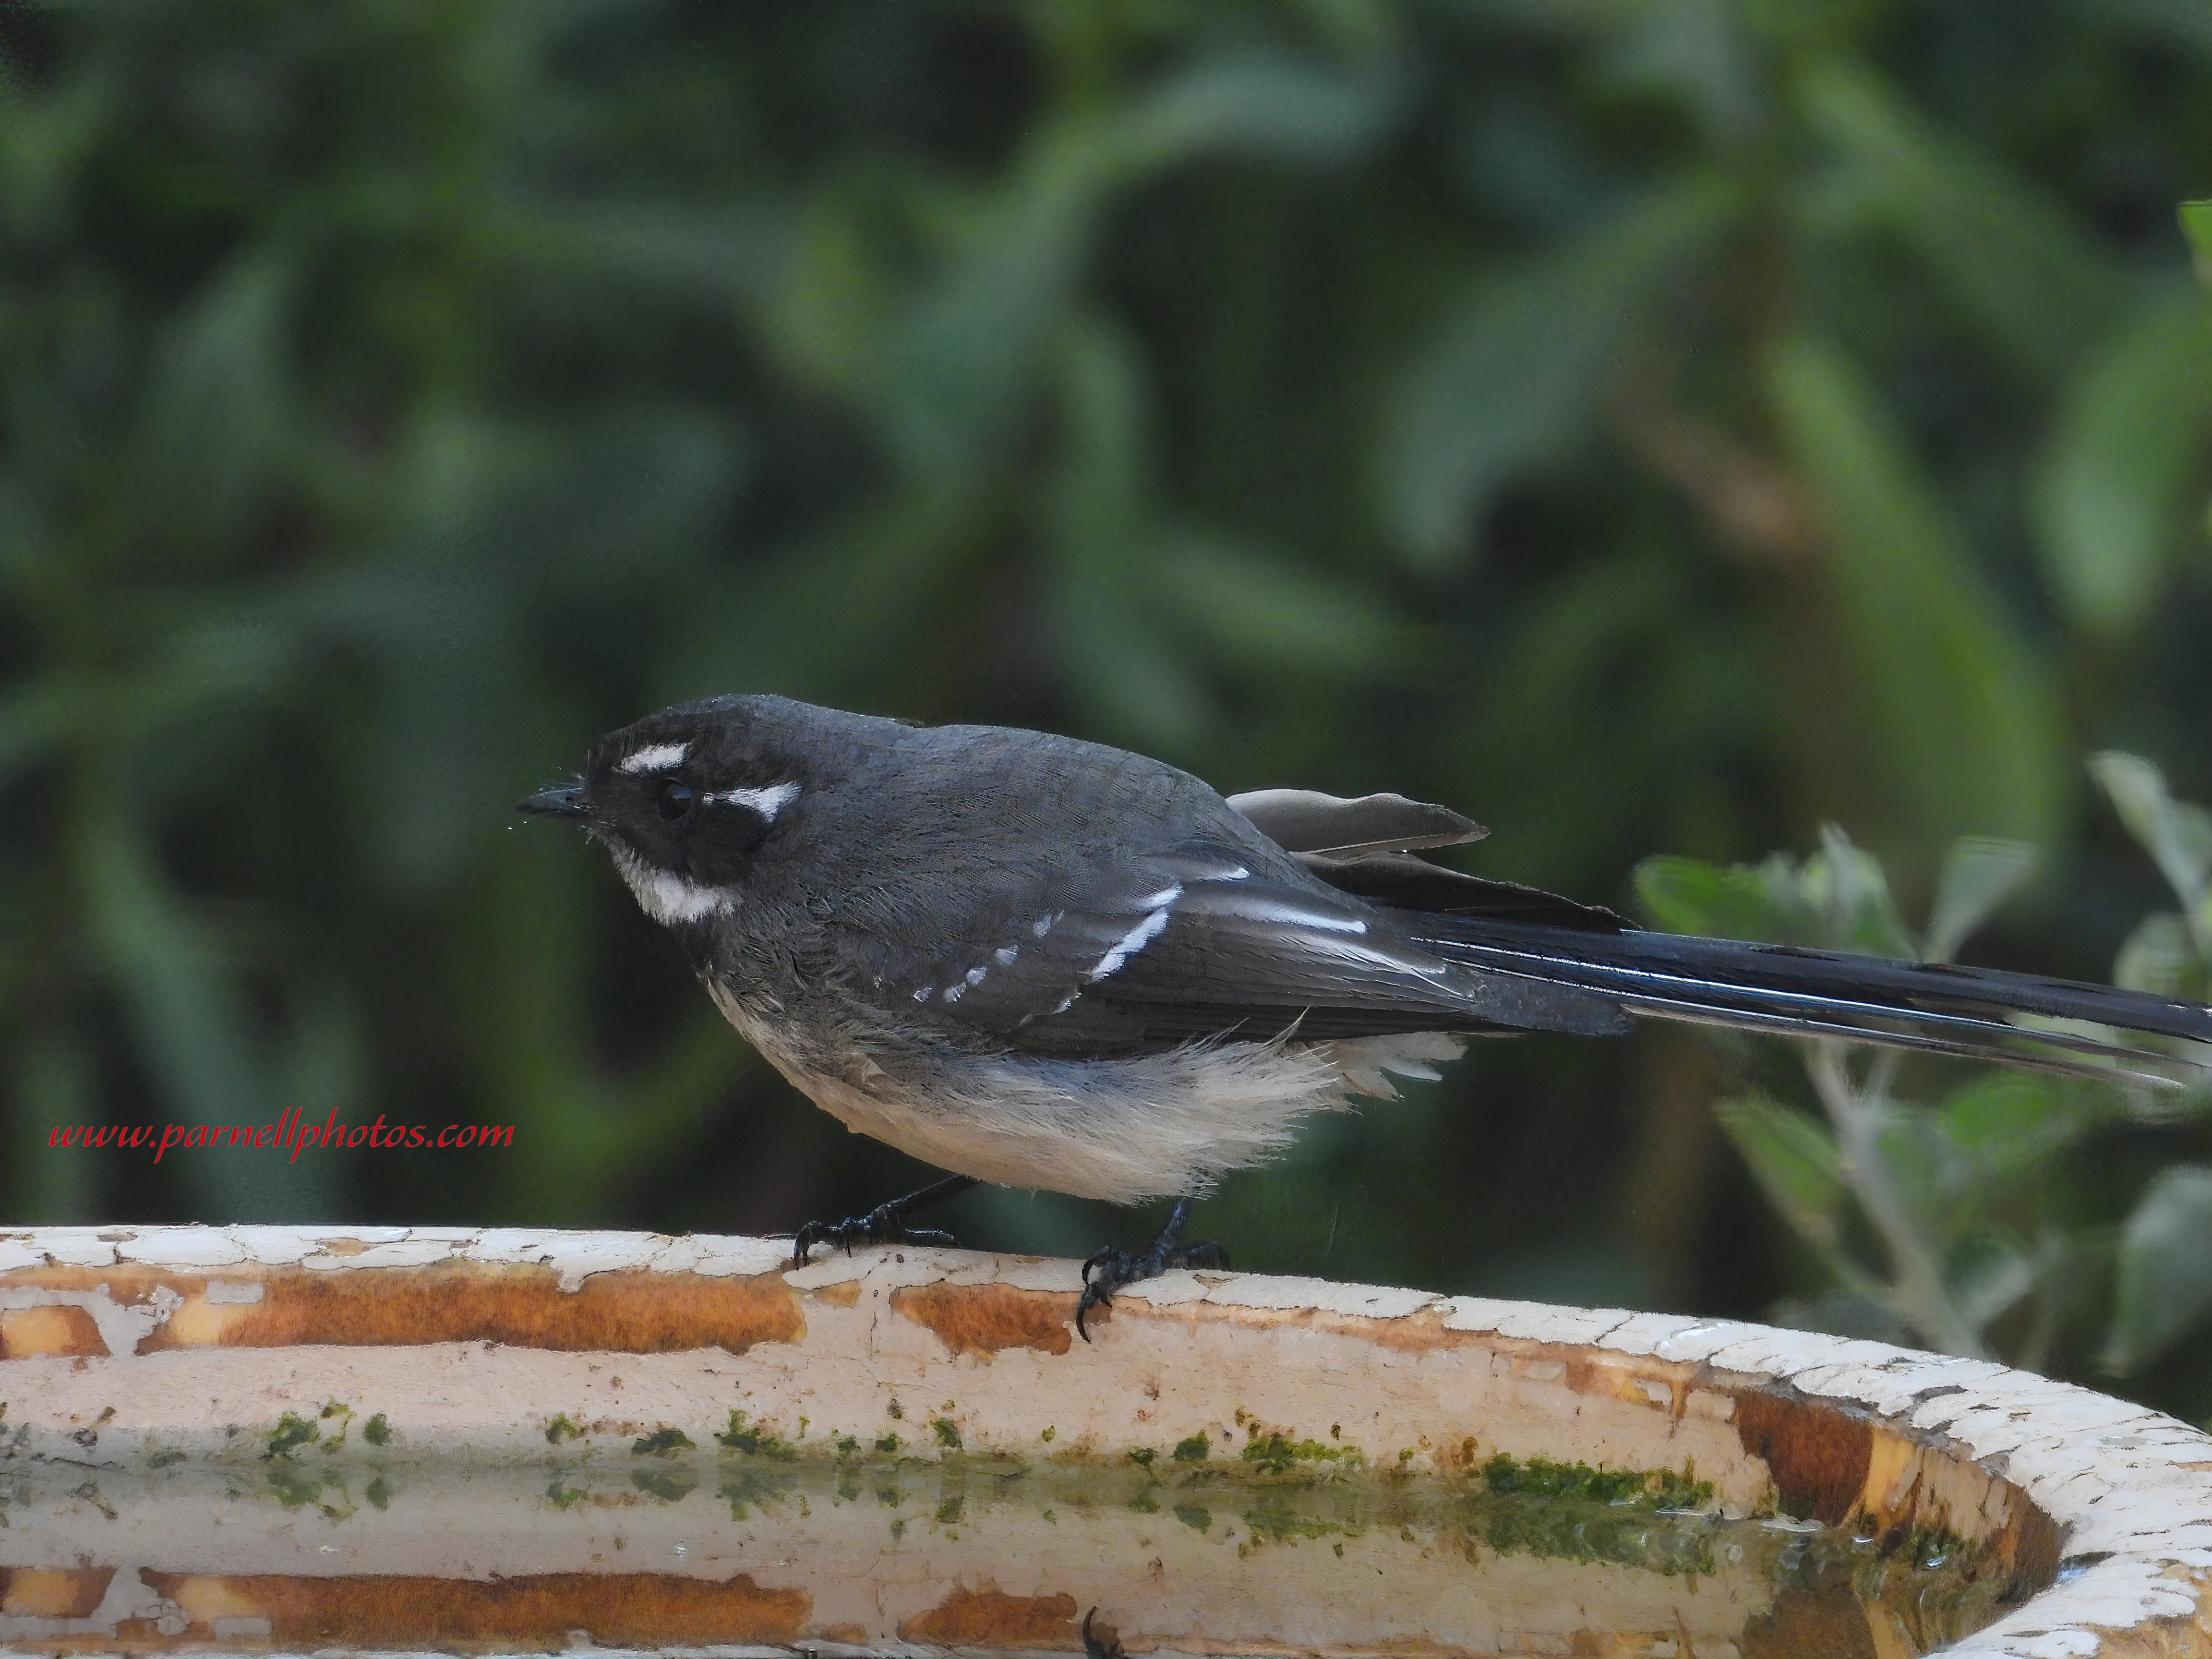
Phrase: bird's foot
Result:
[1108,1646]
[884,1224]
[1111,1268]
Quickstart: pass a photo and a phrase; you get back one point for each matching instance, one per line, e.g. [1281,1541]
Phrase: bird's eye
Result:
[674,799]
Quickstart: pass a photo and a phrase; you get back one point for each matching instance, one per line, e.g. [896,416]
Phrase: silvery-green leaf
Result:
[2117,489]
[2165,1267]
[1979,873]
[1795,1162]
[2176,835]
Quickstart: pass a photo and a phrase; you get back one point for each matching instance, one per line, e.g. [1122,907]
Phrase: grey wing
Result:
[1307,821]
[1137,953]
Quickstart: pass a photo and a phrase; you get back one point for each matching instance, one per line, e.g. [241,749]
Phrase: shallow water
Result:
[693,1550]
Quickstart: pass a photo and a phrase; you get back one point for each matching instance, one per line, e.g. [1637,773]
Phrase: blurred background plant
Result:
[1647,424]
[1957,1225]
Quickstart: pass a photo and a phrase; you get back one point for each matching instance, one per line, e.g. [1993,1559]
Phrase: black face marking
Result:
[691,803]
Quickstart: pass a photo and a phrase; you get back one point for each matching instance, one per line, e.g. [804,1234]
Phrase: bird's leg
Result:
[884,1224]
[1111,1268]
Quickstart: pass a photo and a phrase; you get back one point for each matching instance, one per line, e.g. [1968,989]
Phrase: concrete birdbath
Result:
[281,1439]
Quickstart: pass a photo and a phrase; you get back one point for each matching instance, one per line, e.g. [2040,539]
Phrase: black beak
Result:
[562,800]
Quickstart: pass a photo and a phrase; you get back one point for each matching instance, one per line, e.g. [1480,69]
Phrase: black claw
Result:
[1107,1270]
[1095,1649]
[884,1224]
[874,1227]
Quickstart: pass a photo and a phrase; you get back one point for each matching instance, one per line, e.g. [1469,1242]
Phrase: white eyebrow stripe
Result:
[767,802]
[1139,936]
[654,757]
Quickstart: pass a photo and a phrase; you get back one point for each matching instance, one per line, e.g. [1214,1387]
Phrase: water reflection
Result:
[681,1551]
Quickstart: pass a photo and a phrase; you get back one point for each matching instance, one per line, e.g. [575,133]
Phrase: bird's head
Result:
[686,799]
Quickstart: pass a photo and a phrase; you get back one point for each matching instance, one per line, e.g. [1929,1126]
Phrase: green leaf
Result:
[217,416]
[54,1085]
[1852,893]
[1765,902]
[189,1013]
[1922,1172]
[1987,1274]
[1838,900]
[1514,372]
[1267,613]
[2196,226]
[2118,484]
[34,723]
[1793,1161]
[1113,650]
[2035,280]
[951,370]
[1979,873]
[1268,104]
[2178,835]
[2165,1282]
[2161,959]
[1962,716]
[2007,1124]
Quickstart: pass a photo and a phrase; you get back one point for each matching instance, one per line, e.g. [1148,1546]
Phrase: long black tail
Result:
[1933,1007]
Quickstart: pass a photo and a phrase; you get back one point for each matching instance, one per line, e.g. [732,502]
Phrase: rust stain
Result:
[631,1311]
[1818,1457]
[634,1310]
[987,1318]
[647,1610]
[52,1592]
[988,1617]
[843,1294]
[1424,1647]
[59,1329]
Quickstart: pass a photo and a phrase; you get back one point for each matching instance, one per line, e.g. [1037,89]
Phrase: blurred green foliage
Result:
[1647,424]
[1954,1224]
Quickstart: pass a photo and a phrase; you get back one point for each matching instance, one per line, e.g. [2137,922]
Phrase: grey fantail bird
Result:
[1045,963]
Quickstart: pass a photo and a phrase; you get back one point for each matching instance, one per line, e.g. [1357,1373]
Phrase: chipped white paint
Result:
[768,801]
[2122,1483]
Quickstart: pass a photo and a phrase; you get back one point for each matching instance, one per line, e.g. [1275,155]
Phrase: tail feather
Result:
[1933,1007]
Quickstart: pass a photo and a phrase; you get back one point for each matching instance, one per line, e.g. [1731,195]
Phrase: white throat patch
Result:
[668,898]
